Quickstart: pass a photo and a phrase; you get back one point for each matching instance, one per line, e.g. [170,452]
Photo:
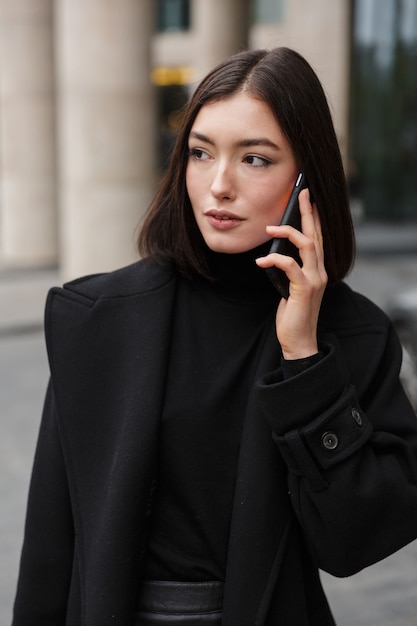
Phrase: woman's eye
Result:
[198,155]
[257,161]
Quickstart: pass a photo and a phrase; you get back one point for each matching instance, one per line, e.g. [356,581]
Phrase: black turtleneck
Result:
[219,329]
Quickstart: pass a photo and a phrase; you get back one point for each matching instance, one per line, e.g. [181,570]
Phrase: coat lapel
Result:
[108,360]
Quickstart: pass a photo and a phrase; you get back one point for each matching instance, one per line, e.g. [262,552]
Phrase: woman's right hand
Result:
[297,317]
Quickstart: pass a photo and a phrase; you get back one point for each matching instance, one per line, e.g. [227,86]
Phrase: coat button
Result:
[357,417]
[330,441]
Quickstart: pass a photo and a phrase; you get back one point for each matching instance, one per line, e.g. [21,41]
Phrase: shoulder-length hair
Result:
[287,83]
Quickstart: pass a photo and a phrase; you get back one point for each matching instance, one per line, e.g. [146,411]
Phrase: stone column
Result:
[221,29]
[27,134]
[106,129]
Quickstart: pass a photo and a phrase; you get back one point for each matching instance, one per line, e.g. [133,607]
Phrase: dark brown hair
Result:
[286,82]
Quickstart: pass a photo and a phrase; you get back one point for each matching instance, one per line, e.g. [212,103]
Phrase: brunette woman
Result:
[207,445]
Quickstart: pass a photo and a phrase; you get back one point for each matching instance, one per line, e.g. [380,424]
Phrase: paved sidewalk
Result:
[22,298]
[383,238]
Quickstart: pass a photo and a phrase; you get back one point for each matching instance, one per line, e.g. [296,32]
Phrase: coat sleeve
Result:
[47,554]
[351,453]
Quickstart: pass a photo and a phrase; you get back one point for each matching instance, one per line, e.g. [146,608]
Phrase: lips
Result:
[222,220]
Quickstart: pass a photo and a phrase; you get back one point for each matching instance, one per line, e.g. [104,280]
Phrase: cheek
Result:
[270,206]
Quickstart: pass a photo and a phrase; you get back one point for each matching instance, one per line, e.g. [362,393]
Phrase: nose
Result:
[223,184]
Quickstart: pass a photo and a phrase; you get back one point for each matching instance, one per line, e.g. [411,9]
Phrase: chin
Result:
[233,247]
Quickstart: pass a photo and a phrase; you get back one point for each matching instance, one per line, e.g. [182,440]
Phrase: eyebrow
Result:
[242,143]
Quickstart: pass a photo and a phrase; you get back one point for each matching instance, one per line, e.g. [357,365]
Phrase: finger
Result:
[308,222]
[308,245]
[311,224]
[318,238]
[282,261]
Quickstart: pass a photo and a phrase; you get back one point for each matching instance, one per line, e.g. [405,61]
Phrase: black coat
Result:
[327,474]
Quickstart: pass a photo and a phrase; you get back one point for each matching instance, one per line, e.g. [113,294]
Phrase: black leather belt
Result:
[191,604]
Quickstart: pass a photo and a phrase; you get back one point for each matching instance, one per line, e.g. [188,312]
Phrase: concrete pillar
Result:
[27,134]
[220,29]
[106,129]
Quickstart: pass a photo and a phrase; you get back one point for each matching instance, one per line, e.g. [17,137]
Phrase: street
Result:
[383,595]
[23,375]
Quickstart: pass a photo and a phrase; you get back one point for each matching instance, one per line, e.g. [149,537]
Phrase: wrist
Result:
[299,353]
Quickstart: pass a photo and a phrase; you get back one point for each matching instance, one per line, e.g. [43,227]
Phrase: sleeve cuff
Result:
[294,401]
[297,366]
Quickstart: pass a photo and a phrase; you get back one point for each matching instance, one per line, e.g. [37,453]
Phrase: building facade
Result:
[89,98]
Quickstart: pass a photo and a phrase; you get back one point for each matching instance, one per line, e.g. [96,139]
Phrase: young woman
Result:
[207,445]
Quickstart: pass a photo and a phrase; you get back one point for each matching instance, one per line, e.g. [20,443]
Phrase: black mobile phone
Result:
[292,217]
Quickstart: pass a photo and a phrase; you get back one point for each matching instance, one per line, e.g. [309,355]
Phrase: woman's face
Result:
[240,172]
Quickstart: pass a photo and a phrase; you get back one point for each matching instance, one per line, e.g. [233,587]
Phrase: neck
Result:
[239,273]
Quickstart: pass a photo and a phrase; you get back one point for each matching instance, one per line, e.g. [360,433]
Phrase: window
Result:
[383,125]
[172,15]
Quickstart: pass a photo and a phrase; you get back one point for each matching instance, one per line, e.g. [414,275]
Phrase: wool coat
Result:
[326,477]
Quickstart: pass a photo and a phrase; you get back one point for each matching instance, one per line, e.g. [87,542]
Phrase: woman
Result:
[206,445]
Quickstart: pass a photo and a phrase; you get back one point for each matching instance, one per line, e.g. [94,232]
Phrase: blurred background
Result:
[90,99]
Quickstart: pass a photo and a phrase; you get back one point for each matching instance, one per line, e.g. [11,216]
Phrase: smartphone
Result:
[292,217]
